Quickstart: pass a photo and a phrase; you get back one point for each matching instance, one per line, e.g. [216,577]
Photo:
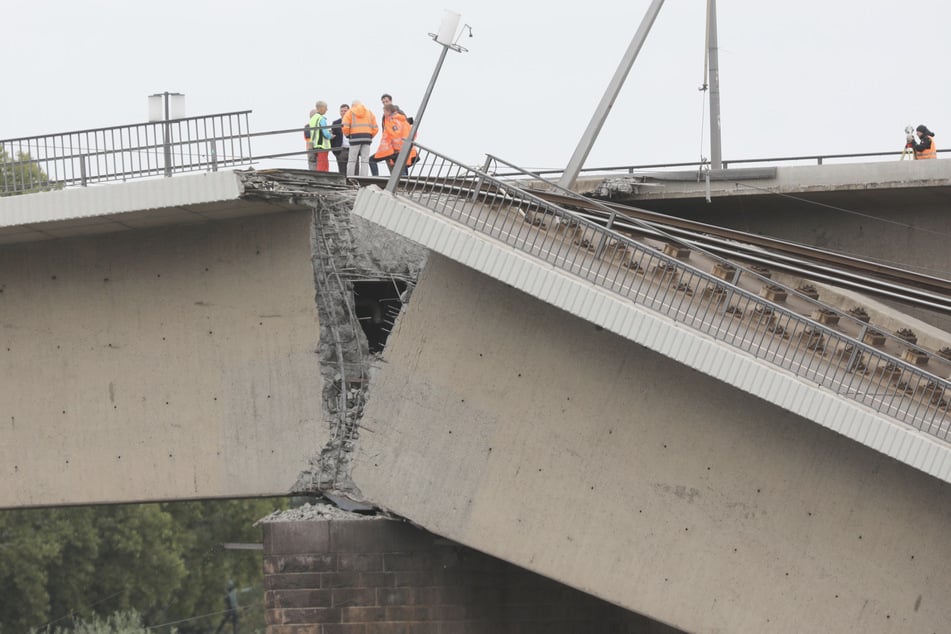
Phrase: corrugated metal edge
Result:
[117,198]
[693,349]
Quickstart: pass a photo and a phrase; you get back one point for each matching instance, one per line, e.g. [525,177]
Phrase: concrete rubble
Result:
[316,511]
[345,250]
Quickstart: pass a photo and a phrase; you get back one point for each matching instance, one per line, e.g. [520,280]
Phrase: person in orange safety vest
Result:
[395,130]
[359,125]
[925,148]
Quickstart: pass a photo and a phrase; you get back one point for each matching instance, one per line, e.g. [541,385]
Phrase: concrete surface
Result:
[511,427]
[847,179]
[156,364]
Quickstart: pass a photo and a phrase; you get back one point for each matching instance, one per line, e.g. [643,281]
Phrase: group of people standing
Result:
[350,138]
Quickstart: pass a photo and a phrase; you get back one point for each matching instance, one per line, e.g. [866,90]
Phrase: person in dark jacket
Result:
[339,143]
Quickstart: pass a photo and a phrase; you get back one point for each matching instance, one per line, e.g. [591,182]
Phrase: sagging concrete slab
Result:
[512,427]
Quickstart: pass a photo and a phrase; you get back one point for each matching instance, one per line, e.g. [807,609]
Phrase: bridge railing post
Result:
[167,148]
[604,237]
[213,153]
[485,170]
[855,351]
[734,283]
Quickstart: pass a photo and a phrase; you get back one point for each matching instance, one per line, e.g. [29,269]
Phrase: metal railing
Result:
[712,303]
[818,159]
[81,157]
[205,143]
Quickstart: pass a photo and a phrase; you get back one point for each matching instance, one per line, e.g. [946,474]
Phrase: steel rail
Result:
[812,271]
[894,283]
[910,288]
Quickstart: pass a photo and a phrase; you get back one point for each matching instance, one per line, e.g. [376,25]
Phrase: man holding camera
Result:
[925,147]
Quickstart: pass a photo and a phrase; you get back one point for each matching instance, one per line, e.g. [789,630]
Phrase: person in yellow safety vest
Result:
[359,125]
[925,149]
[395,129]
[320,135]
[311,152]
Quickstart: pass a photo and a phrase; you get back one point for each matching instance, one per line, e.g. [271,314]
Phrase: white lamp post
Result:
[447,38]
[165,106]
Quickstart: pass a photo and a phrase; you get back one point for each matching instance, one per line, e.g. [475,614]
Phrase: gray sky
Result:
[801,77]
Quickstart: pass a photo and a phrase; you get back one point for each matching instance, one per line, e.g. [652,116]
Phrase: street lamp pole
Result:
[166,140]
[445,37]
[161,100]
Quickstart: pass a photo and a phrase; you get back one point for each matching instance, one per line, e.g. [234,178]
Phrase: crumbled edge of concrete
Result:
[316,511]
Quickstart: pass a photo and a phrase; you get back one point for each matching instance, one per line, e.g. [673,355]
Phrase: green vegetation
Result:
[128,622]
[22,175]
[163,564]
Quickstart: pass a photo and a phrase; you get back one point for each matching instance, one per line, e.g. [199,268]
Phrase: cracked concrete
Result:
[347,249]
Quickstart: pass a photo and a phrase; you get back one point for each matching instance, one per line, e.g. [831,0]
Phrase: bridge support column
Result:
[344,575]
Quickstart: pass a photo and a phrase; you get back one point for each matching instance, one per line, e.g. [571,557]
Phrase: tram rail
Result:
[908,287]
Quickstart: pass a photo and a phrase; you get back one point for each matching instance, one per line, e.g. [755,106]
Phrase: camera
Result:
[909,134]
